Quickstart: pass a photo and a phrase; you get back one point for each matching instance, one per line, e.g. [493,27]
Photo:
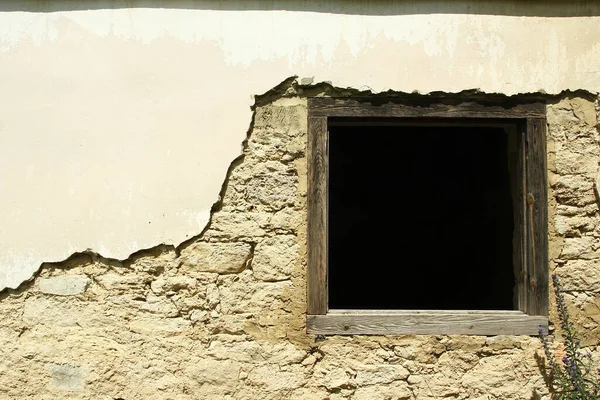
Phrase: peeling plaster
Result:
[117,125]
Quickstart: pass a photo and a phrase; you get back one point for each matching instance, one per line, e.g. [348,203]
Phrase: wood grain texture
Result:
[521,226]
[423,323]
[417,312]
[317,215]
[429,108]
[537,218]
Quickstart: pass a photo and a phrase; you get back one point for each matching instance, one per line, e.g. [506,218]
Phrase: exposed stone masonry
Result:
[223,317]
[574,231]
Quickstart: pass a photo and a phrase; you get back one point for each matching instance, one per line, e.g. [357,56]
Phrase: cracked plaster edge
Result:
[294,86]
[95,255]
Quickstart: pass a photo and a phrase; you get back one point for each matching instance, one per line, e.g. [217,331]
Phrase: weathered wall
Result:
[574,231]
[118,123]
[223,316]
[117,128]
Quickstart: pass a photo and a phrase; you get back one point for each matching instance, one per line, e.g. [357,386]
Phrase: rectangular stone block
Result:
[221,258]
[66,377]
[64,285]
[49,311]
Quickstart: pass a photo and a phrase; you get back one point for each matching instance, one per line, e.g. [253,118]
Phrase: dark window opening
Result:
[421,216]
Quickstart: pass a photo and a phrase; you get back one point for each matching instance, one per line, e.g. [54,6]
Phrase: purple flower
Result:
[572,376]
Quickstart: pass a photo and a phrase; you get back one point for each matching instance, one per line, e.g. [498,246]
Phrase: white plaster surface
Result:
[117,125]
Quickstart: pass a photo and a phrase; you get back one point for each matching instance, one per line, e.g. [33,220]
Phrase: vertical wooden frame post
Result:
[537,217]
[317,215]
[521,226]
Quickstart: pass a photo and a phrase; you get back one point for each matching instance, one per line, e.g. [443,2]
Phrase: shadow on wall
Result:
[540,8]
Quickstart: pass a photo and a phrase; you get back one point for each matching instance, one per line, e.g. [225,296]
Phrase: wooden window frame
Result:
[532,216]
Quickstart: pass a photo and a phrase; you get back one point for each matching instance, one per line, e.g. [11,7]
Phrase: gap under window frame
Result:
[531,279]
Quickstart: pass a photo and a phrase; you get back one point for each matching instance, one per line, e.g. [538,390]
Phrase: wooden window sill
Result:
[425,322]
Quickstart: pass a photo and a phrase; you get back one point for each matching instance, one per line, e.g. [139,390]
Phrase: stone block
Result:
[584,110]
[235,225]
[440,385]
[50,312]
[64,285]
[67,377]
[223,373]
[396,391]
[575,190]
[246,295]
[172,284]
[577,247]
[289,117]
[489,376]
[221,258]
[571,162]
[284,353]
[580,275]
[288,220]
[244,351]
[152,303]
[383,373]
[272,191]
[275,258]
[573,226]
[332,378]
[275,380]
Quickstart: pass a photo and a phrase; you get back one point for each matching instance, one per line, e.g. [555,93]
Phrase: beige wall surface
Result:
[117,124]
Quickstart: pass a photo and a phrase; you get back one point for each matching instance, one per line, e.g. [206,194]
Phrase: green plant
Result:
[570,376]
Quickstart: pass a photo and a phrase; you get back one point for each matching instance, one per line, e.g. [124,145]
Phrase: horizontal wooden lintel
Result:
[401,108]
[348,322]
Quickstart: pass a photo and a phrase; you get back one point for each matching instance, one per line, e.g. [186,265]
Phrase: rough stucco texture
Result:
[117,125]
[225,318]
